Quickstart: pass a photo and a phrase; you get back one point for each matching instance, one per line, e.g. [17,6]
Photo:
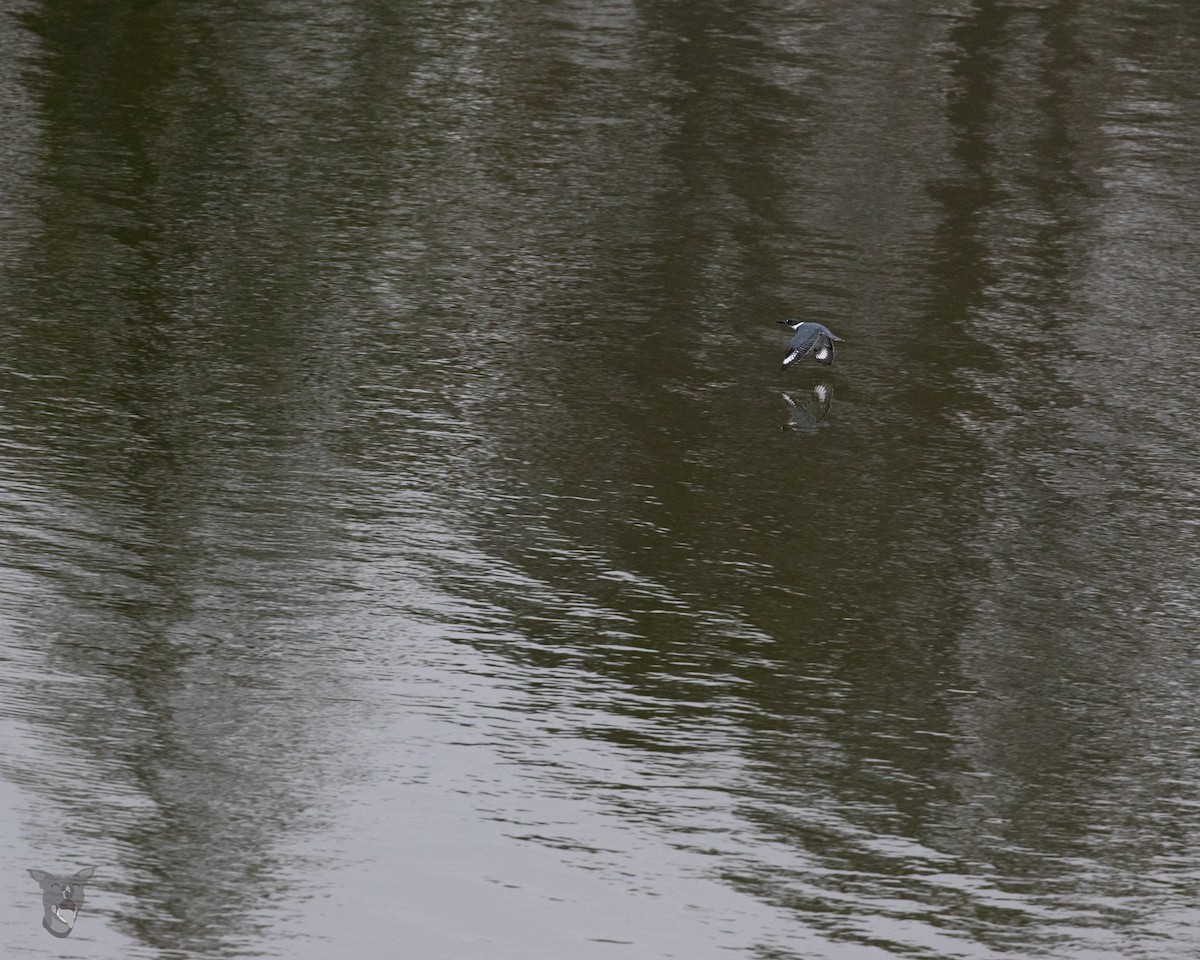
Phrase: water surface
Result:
[407,538]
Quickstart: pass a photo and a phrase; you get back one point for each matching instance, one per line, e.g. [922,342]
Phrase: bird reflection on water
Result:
[808,415]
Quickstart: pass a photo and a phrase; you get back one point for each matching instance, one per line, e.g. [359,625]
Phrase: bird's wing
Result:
[792,357]
[825,350]
[805,338]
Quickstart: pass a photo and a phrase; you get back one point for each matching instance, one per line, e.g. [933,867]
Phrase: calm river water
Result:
[412,547]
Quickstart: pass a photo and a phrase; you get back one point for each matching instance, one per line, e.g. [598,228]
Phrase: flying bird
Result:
[809,338]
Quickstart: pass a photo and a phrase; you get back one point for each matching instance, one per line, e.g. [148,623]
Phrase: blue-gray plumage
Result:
[810,338]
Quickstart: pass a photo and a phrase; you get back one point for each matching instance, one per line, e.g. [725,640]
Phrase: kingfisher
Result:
[809,338]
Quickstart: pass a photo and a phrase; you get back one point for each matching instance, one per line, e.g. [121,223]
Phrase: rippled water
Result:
[410,538]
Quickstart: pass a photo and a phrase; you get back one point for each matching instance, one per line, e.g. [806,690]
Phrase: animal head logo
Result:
[62,899]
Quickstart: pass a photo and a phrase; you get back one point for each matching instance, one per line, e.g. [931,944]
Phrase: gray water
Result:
[407,546]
